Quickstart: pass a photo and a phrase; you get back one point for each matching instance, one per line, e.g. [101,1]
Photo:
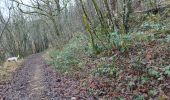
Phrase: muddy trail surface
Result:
[35,80]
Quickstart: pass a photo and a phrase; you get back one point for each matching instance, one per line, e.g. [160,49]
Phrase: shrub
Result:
[105,69]
[121,41]
[68,58]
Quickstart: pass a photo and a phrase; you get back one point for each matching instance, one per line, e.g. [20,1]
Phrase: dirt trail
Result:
[30,82]
[36,83]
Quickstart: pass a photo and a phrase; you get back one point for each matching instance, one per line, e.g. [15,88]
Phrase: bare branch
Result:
[39,9]
[6,23]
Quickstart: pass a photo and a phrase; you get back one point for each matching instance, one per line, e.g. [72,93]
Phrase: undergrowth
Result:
[68,58]
[144,69]
[137,67]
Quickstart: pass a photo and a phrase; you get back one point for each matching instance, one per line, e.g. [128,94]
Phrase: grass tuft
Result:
[7,69]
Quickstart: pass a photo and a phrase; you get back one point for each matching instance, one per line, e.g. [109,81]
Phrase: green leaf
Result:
[153,92]
[153,73]
[144,79]
[139,97]
[167,71]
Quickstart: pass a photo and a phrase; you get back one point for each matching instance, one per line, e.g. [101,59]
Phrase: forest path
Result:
[31,81]
[36,83]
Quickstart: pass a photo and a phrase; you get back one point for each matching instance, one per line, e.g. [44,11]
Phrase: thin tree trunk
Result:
[103,23]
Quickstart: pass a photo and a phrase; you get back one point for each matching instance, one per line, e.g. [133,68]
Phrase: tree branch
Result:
[154,10]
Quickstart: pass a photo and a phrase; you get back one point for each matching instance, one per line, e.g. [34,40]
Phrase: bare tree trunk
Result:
[114,7]
[126,13]
[109,13]
[104,25]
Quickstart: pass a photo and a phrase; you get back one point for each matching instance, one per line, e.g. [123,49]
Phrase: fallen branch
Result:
[154,10]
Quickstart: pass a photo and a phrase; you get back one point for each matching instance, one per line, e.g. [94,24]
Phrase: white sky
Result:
[3,7]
